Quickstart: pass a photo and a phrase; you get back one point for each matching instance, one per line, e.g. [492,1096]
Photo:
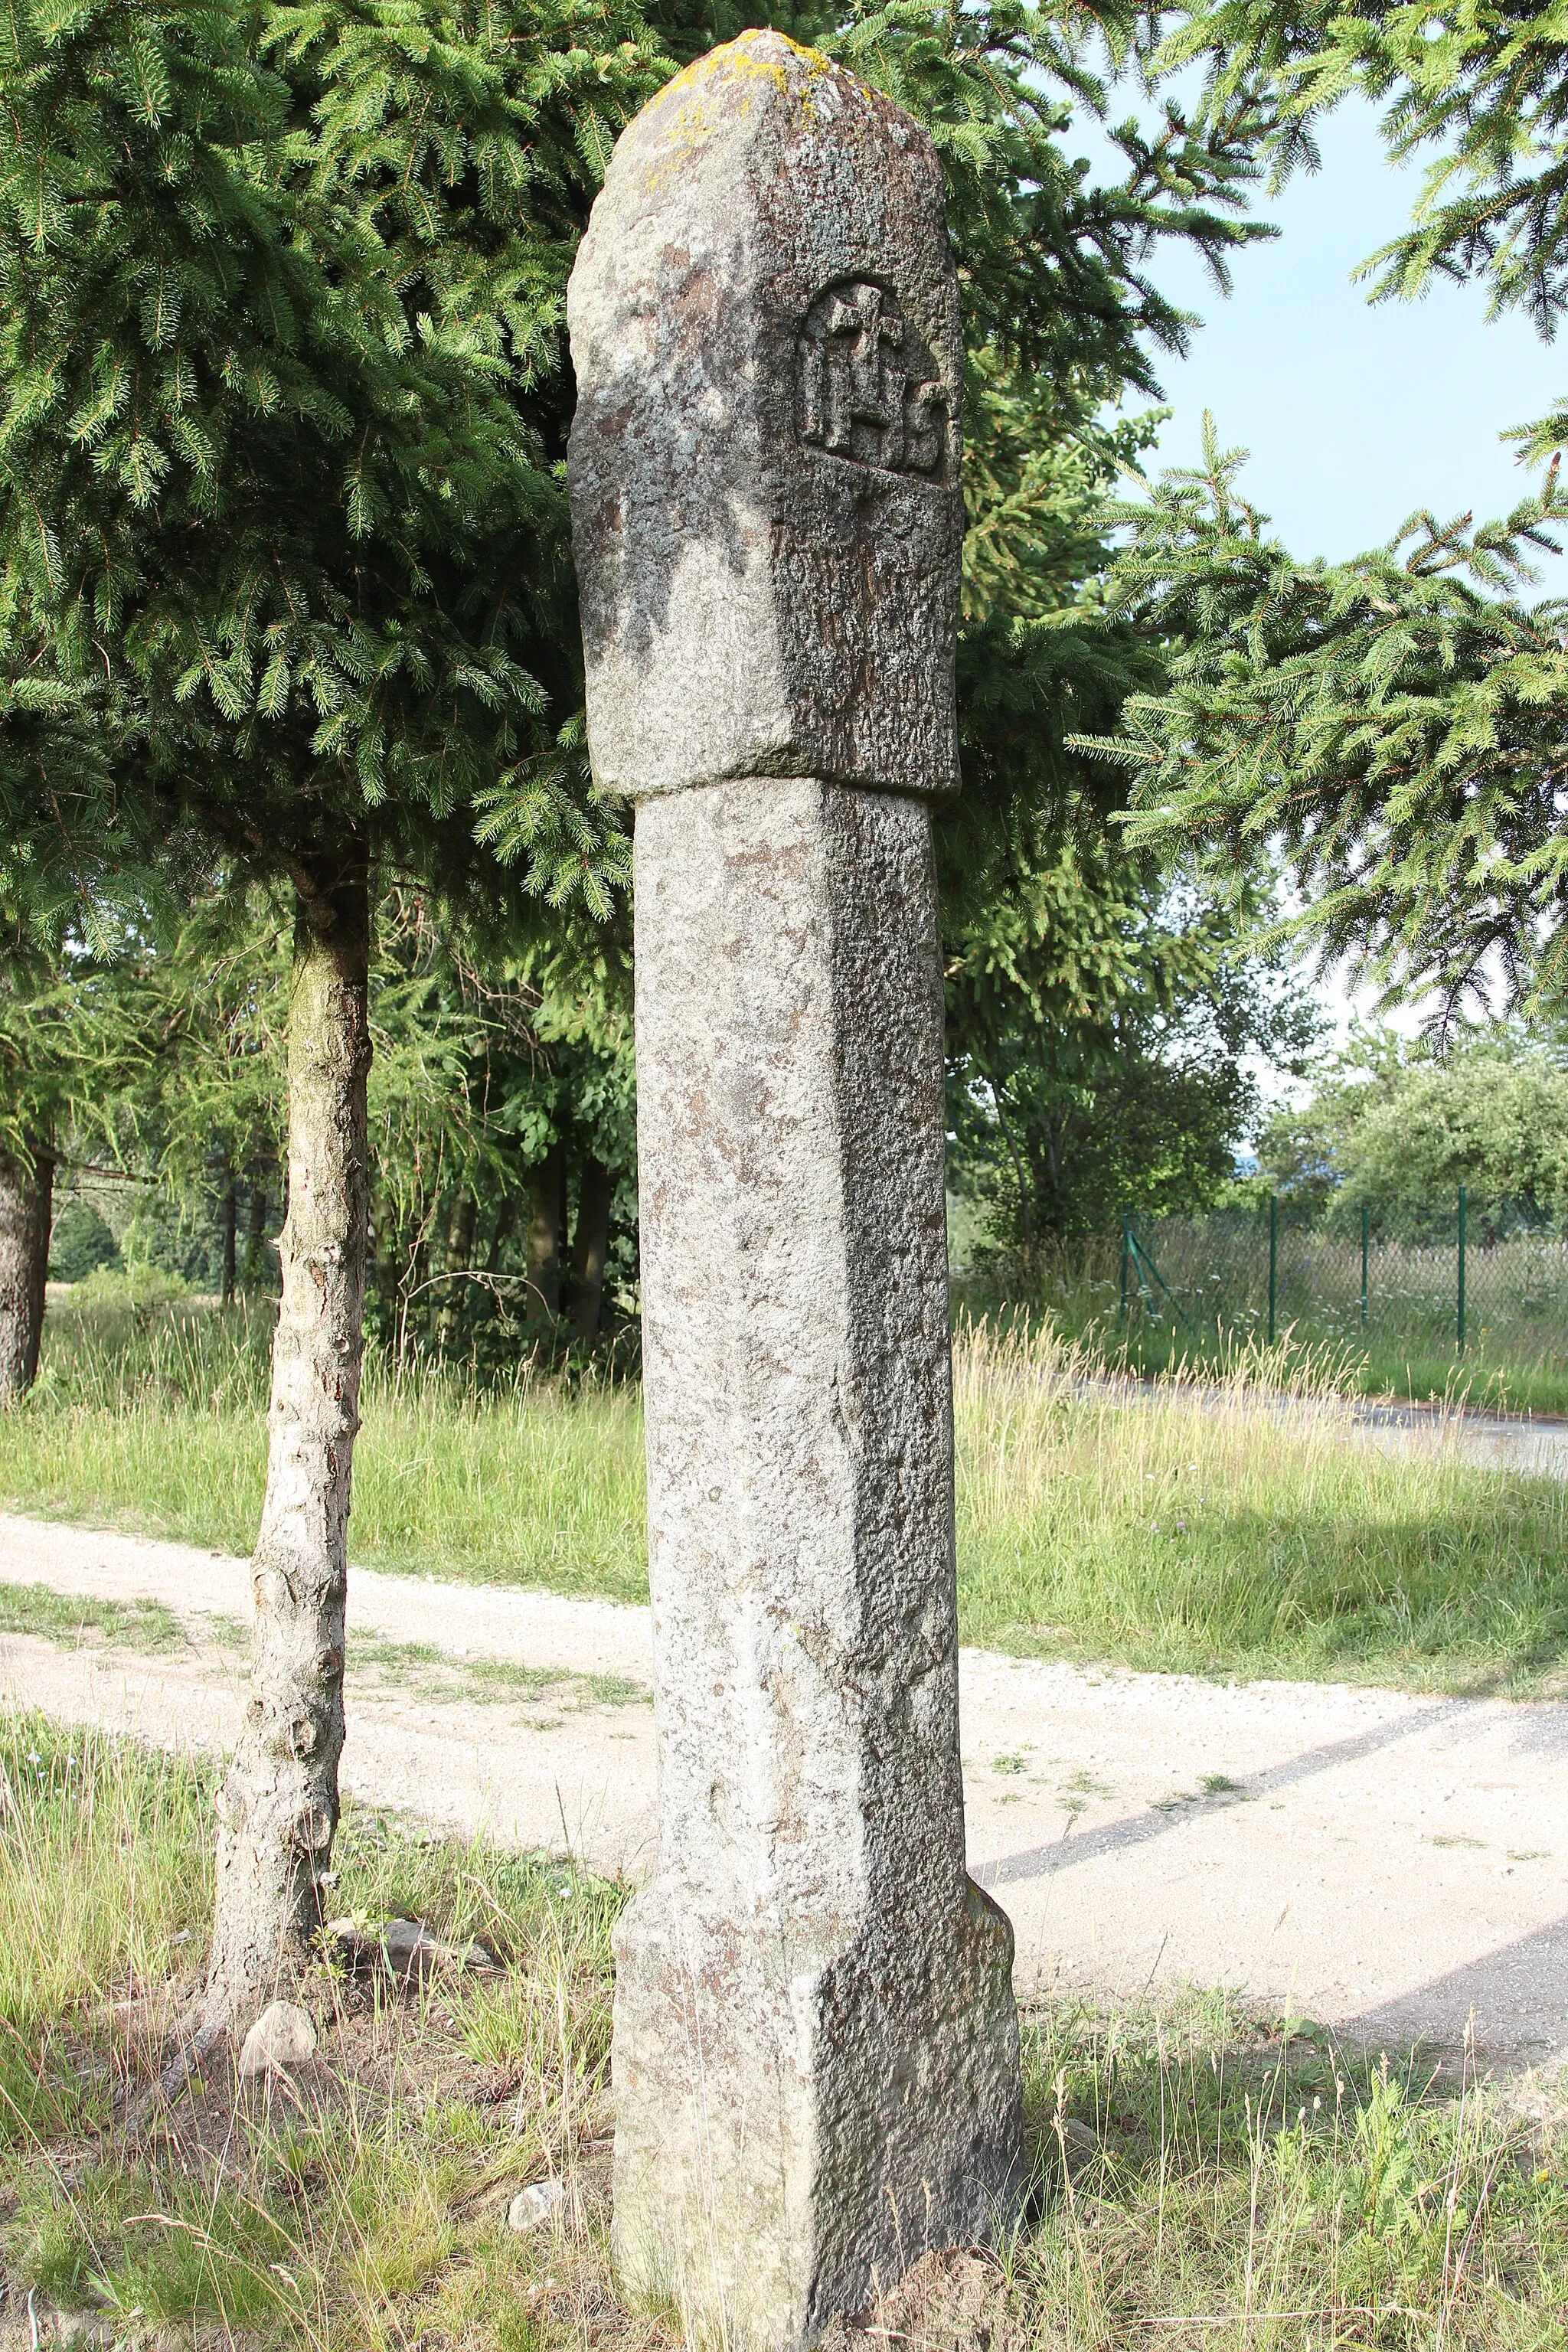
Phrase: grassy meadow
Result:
[1202,2176]
[1234,1532]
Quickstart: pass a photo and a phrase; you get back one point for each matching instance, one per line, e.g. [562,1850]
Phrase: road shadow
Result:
[1068,1851]
[1517,1997]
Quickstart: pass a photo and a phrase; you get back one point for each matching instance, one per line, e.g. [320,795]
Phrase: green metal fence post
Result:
[1126,1252]
[1364,1226]
[1273,1260]
[1461,1269]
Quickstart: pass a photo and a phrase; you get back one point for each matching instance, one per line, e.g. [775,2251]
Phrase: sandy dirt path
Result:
[1387,1865]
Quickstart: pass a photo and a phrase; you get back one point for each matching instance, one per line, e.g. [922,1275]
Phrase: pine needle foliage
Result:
[1054,264]
[284,399]
[1480,91]
[1395,726]
[78,875]
[266,456]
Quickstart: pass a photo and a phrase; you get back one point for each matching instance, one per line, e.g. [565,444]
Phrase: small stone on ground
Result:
[406,1945]
[412,1950]
[283,2035]
[535,2204]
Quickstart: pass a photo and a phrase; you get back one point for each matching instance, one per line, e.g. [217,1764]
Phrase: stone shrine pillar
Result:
[815,2047]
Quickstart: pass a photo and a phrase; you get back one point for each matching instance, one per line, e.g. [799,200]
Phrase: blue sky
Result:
[1354,412]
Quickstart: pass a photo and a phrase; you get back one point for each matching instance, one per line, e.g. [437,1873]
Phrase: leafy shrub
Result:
[80,1243]
[135,1286]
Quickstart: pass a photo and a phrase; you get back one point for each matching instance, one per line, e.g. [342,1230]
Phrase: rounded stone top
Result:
[764,459]
[757,86]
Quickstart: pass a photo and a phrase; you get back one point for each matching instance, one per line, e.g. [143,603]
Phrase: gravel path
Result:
[1522,1443]
[1485,1441]
[1391,1866]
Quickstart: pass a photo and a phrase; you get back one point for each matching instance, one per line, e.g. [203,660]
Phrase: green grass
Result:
[1477,1385]
[1402,1375]
[71,1621]
[69,1618]
[1222,1535]
[1211,1535]
[1203,2175]
[435,1673]
[157,1420]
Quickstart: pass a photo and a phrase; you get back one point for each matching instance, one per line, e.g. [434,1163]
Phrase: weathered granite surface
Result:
[815,2047]
[765,453]
[815,2056]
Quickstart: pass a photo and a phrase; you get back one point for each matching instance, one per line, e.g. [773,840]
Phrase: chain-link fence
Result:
[1484,1284]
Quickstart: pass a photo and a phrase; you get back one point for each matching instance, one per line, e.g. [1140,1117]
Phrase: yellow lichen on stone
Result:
[715,89]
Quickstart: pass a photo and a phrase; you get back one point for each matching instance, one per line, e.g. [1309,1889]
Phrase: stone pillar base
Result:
[798,2118]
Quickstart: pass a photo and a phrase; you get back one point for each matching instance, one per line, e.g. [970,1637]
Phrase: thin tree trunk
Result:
[416,1272]
[230,1224]
[1018,1172]
[255,1227]
[460,1257]
[278,1810]
[26,1215]
[501,1232]
[546,1186]
[590,1248]
[383,1265]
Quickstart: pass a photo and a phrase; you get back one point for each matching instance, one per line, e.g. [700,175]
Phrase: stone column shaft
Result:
[815,2051]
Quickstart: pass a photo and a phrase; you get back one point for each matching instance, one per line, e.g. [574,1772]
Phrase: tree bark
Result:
[230,1224]
[252,1273]
[501,1231]
[590,1248]
[26,1215]
[460,1257]
[279,1809]
[545,1186]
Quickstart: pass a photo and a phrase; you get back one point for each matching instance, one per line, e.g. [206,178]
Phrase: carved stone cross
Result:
[815,2047]
[862,388]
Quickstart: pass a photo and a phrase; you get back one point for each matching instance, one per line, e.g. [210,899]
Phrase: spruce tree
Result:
[287,496]
[1392,728]
[1394,724]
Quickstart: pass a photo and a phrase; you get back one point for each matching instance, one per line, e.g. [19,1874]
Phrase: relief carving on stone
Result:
[867,388]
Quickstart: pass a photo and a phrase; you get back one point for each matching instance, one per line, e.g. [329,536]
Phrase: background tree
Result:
[205,1112]
[502,1109]
[36,1042]
[74,875]
[489,1063]
[1394,724]
[1394,1130]
[1085,1093]
[1100,1012]
[1392,728]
